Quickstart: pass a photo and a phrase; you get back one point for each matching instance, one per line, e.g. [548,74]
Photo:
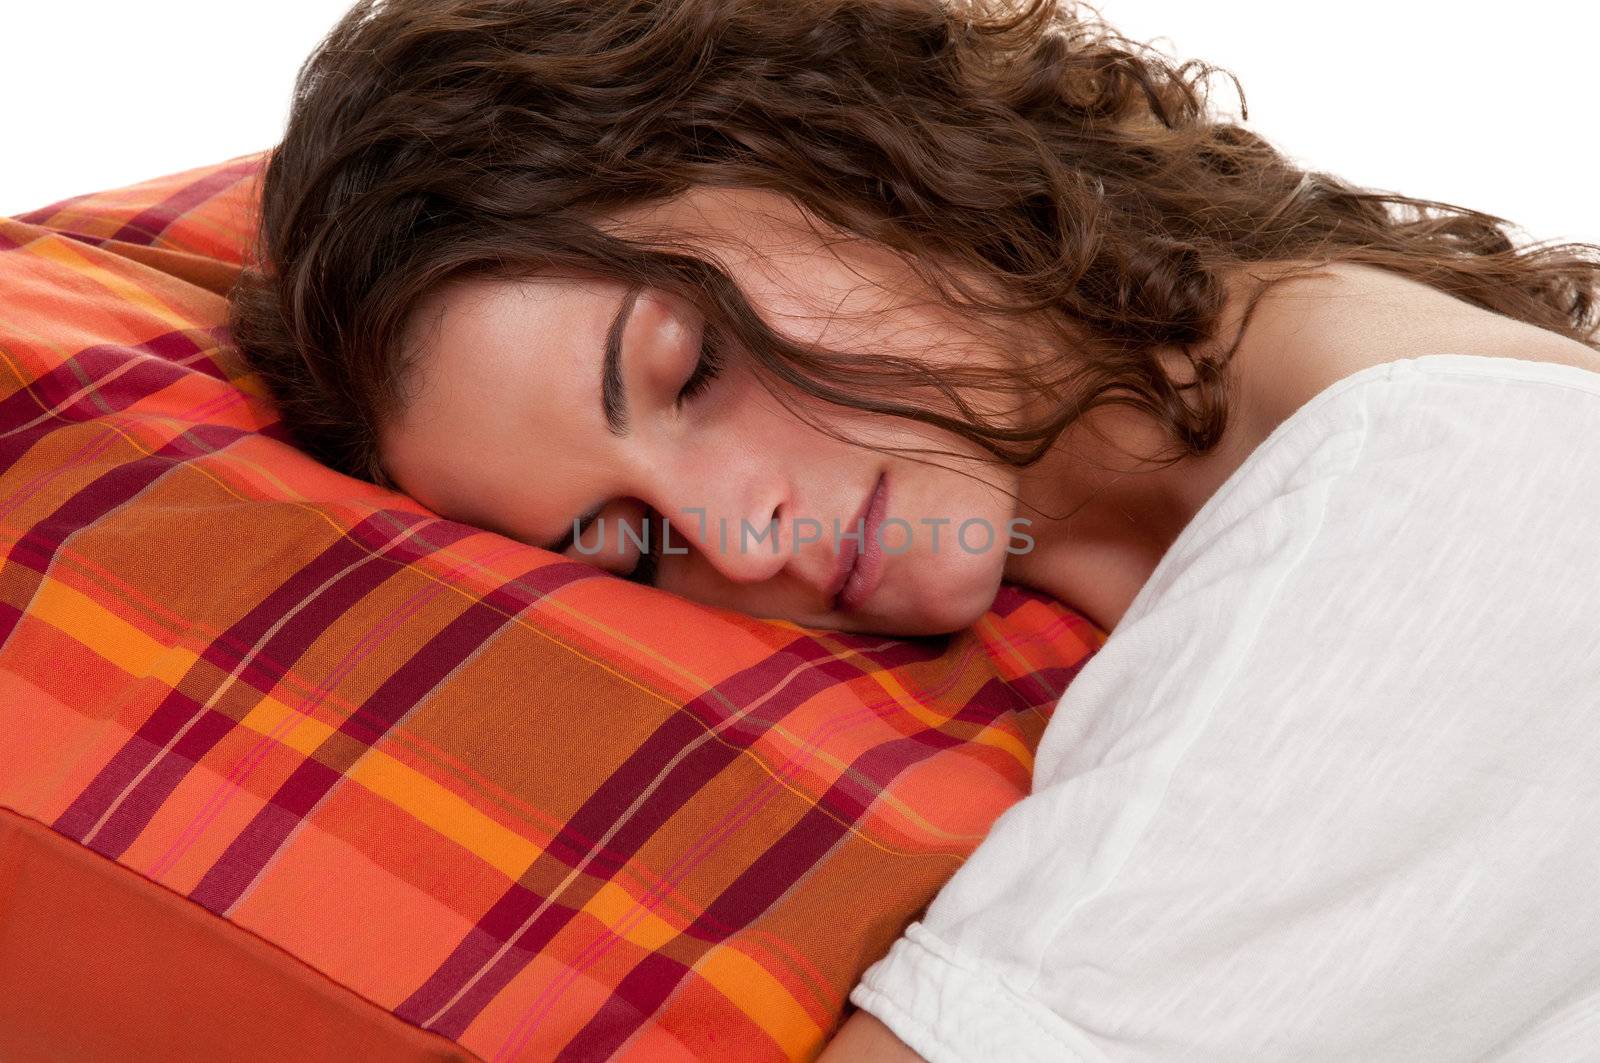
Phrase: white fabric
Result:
[1331,789]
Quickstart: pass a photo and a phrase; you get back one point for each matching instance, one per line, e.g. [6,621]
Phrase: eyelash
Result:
[644,570]
[705,370]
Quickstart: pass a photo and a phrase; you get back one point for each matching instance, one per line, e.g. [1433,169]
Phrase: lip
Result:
[860,568]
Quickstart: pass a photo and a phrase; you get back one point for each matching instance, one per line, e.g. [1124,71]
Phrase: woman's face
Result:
[506,427]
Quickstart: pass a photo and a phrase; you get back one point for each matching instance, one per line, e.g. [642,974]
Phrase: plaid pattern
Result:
[540,810]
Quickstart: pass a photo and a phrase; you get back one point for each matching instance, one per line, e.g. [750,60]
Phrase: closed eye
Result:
[580,527]
[649,563]
[706,368]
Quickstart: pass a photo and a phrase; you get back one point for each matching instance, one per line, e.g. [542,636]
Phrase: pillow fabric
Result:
[533,809]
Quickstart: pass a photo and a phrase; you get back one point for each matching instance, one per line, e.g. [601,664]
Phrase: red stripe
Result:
[36,549]
[153,771]
[594,819]
[148,225]
[41,216]
[776,872]
[605,807]
[642,991]
[409,686]
[783,865]
[91,368]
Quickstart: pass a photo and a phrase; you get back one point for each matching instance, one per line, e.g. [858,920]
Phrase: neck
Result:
[1306,334]
[1103,517]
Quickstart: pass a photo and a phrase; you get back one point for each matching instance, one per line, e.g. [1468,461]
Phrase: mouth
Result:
[861,564]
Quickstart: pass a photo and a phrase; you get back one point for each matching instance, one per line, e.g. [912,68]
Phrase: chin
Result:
[945,603]
[891,627]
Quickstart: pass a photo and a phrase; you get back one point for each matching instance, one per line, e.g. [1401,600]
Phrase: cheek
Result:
[952,514]
[775,418]
[945,553]
[694,577]
[744,426]
[953,580]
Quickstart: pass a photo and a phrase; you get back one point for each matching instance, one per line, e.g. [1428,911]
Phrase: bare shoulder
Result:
[1562,352]
[1462,328]
[865,1039]
[1323,326]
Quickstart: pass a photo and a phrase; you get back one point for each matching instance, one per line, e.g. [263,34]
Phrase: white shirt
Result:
[1331,789]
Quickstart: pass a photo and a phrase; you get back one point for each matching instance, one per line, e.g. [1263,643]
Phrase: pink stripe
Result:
[233,784]
[708,843]
[148,225]
[99,445]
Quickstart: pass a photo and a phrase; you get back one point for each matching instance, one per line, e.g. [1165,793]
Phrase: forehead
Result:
[494,363]
[804,277]
[491,360]
[772,245]
[750,227]
[713,217]
[468,331]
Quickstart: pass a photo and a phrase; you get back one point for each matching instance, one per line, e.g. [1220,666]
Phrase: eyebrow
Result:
[613,400]
[560,546]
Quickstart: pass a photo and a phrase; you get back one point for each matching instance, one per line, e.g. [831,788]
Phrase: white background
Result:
[1490,106]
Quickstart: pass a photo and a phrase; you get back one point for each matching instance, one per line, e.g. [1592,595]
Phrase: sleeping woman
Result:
[846,311]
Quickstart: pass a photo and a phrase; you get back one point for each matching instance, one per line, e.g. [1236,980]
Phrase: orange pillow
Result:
[494,793]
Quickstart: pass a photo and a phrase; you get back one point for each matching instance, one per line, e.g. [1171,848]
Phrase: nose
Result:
[733,516]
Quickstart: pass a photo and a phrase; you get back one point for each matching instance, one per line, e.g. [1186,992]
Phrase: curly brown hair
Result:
[1022,157]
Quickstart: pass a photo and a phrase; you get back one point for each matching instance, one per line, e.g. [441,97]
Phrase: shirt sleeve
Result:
[959,985]
[949,1009]
[1331,790]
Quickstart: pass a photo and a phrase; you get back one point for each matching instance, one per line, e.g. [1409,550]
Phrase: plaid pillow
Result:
[528,806]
